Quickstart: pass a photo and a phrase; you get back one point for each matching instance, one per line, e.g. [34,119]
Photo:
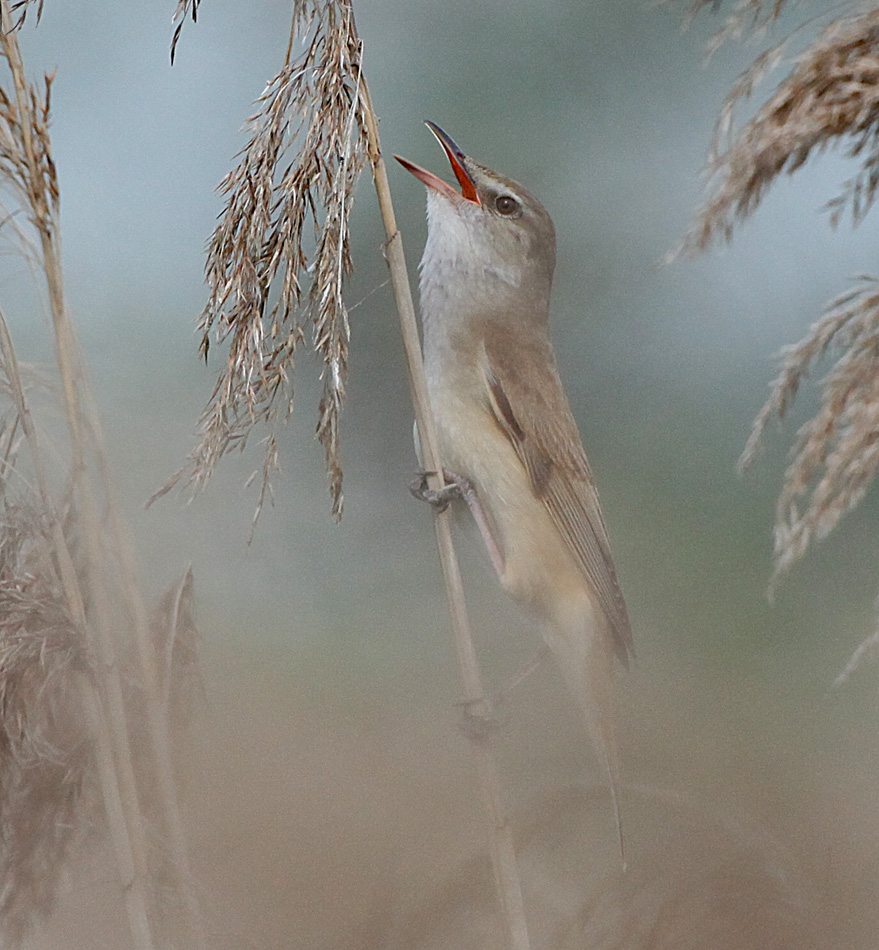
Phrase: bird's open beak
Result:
[456,159]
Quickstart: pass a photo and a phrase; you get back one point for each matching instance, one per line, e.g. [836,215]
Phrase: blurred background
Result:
[330,798]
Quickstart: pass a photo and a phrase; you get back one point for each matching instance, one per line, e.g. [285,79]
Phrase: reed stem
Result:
[103,700]
[503,855]
[130,861]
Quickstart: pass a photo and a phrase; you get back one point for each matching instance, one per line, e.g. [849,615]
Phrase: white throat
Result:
[460,269]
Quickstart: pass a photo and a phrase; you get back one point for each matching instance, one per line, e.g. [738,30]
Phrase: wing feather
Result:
[527,399]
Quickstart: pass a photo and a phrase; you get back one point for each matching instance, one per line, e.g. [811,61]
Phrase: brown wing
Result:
[527,399]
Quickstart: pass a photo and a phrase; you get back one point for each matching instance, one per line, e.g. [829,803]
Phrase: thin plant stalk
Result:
[158,722]
[81,424]
[132,871]
[321,96]
[503,854]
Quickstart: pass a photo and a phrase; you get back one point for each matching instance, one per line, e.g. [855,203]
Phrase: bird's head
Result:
[493,237]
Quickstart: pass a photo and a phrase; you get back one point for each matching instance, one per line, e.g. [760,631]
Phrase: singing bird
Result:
[507,437]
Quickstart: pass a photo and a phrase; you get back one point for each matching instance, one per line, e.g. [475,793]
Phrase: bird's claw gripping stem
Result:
[459,486]
[477,724]
[439,498]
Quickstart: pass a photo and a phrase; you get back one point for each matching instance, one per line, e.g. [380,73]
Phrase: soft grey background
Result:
[604,110]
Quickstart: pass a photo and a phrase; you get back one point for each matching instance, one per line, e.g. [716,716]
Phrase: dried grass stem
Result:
[26,165]
[503,854]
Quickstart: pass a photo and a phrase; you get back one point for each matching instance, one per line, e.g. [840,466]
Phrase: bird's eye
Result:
[506,205]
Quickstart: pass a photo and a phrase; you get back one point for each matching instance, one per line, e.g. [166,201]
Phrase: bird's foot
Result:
[439,498]
[457,486]
[477,722]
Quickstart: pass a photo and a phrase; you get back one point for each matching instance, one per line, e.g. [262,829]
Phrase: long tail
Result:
[584,653]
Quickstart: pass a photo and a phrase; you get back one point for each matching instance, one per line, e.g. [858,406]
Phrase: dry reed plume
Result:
[320,100]
[44,750]
[747,18]
[49,790]
[828,99]
[259,256]
[80,665]
[836,453]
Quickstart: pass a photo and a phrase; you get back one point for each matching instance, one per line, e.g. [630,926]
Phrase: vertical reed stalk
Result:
[158,724]
[320,98]
[130,861]
[104,708]
[503,855]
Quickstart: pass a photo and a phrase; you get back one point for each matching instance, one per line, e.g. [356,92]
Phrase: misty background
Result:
[323,774]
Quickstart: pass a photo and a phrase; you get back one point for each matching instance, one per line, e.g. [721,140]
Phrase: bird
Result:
[507,437]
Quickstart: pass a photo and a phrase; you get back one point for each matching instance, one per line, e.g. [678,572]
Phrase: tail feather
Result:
[584,654]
